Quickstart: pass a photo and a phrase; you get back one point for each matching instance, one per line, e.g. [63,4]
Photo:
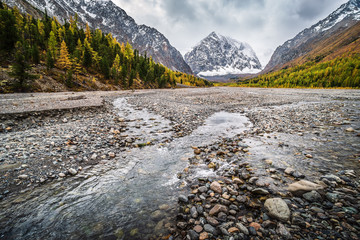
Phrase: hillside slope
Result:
[110,18]
[327,39]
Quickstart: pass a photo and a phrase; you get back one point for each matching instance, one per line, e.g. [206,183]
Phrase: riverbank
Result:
[70,138]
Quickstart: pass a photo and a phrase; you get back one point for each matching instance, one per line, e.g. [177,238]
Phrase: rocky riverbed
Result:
[291,172]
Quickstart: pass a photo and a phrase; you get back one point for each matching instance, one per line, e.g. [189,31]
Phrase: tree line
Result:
[75,51]
[341,72]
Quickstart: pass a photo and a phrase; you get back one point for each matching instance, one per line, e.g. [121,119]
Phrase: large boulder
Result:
[277,208]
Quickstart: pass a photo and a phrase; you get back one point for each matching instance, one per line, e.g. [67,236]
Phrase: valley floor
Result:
[89,159]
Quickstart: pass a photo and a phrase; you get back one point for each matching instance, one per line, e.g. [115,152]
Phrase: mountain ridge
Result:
[111,18]
[305,43]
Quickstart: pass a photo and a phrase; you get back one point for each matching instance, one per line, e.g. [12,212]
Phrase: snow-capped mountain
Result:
[110,18]
[217,55]
[345,17]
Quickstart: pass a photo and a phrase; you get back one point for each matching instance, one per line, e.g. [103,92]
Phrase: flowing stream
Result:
[134,198]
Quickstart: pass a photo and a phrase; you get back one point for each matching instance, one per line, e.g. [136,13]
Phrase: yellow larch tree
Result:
[64,60]
[88,32]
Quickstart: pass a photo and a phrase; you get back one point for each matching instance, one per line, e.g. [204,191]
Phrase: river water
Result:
[132,198]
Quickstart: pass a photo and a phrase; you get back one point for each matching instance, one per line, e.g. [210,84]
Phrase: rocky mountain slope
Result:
[217,55]
[108,17]
[328,38]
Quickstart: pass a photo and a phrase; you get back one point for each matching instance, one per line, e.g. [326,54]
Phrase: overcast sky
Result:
[264,24]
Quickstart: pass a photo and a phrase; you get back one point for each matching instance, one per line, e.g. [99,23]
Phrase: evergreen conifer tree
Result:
[20,68]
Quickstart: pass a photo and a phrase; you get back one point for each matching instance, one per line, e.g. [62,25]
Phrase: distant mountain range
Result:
[110,18]
[217,55]
[331,37]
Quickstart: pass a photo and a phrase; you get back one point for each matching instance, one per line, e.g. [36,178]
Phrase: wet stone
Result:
[217,208]
[193,212]
[260,191]
[72,171]
[203,189]
[212,221]
[224,232]
[289,171]
[210,229]
[193,235]
[331,178]
[183,199]
[204,236]
[198,228]
[242,228]
[181,225]
[312,196]
[282,231]
[233,230]
[252,231]
[255,225]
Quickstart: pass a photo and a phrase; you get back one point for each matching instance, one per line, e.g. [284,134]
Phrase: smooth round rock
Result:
[277,208]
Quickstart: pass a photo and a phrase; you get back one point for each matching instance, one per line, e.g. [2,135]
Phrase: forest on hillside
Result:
[341,72]
[73,52]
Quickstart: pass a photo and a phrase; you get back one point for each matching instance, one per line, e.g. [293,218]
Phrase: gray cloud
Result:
[179,10]
[264,24]
[244,3]
[309,9]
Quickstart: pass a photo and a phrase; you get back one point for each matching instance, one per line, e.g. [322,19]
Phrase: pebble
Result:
[312,196]
[210,229]
[23,177]
[350,129]
[260,191]
[72,171]
[242,228]
[218,208]
[204,236]
[282,231]
[252,231]
[62,175]
[212,221]
[233,230]
[197,151]
[216,187]
[198,228]
[332,197]
[255,225]
[289,171]
[193,235]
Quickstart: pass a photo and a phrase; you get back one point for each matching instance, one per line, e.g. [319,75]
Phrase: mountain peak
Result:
[217,55]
